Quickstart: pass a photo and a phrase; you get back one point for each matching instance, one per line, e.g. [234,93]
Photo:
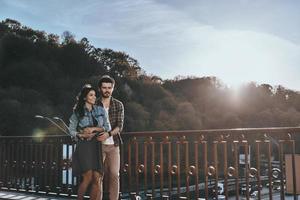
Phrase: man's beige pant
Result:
[111,158]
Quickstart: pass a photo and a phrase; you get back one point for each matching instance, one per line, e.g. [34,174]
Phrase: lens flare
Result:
[38,135]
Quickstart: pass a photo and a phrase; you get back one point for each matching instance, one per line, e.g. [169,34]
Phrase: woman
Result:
[86,122]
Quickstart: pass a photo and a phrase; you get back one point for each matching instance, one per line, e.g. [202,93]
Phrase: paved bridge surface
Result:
[29,196]
[4,195]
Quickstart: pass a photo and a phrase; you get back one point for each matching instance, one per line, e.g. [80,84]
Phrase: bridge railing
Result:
[182,164]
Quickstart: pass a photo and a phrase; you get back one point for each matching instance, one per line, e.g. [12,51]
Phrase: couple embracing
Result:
[96,123]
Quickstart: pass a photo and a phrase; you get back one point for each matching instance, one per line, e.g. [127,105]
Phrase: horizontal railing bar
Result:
[269,130]
[32,136]
[272,130]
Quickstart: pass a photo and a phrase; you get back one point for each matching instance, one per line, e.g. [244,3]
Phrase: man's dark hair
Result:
[106,79]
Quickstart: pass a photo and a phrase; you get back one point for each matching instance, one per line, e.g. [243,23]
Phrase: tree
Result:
[68,38]
[41,75]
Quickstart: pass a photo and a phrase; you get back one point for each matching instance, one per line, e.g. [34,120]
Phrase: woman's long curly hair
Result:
[81,98]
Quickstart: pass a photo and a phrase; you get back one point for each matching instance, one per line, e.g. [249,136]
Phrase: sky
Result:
[238,41]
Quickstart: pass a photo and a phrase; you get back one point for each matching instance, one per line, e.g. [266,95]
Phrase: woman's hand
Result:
[88,130]
[86,135]
[81,136]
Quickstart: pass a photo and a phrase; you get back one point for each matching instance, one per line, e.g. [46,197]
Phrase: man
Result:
[112,139]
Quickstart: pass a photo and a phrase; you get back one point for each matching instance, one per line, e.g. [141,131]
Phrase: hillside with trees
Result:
[41,73]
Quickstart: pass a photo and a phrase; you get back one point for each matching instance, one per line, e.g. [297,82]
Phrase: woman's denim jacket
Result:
[97,112]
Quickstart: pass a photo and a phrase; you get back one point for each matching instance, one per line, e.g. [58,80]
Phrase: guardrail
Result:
[165,165]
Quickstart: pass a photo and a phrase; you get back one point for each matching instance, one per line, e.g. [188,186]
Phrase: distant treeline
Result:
[42,73]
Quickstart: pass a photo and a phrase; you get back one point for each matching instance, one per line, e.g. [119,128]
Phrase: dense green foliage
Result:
[42,73]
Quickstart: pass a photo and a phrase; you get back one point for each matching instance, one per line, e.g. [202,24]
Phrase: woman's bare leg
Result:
[86,180]
[95,190]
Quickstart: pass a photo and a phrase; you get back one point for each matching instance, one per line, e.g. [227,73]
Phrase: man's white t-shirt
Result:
[110,140]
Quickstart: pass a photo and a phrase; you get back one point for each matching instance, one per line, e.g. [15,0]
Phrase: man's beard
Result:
[106,94]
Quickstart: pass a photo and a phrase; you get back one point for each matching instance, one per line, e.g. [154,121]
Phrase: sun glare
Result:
[38,134]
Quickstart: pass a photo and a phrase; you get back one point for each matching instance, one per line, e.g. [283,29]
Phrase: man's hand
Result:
[103,137]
